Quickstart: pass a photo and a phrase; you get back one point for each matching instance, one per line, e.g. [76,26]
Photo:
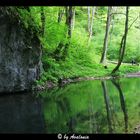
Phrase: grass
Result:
[70,71]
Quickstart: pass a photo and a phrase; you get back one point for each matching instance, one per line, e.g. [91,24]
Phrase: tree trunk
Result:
[42,20]
[69,17]
[73,19]
[60,15]
[114,9]
[105,46]
[70,21]
[88,19]
[66,13]
[123,43]
[91,25]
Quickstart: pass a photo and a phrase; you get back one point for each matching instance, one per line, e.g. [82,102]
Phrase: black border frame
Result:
[72,3]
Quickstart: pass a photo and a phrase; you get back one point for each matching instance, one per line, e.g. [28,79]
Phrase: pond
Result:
[99,106]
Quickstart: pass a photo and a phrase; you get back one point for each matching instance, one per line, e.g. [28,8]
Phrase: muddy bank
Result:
[63,82]
[136,74]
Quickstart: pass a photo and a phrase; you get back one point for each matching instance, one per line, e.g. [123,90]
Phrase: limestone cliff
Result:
[20,55]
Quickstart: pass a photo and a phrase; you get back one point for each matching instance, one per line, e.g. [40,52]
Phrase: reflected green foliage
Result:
[81,107]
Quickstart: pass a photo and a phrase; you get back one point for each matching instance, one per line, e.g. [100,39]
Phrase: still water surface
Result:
[85,107]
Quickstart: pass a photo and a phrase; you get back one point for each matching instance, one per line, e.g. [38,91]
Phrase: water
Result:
[85,107]
[21,113]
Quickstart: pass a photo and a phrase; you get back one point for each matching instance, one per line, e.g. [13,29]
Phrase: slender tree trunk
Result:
[91,13]
[60,14]
[69,17]
[88,19]
[43,20]
[123,106]
[107,106]
[114,9]
[70,21]
[105,46]
[123,43]
[91,25]
[66,13]
[73,19]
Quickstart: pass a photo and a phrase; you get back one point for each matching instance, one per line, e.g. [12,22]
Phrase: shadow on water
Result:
[21,113]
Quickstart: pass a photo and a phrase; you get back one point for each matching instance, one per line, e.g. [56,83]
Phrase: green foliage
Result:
[30,21]
[55,33]
[76,57]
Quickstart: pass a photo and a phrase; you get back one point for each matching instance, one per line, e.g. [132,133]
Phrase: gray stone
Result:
[20,56]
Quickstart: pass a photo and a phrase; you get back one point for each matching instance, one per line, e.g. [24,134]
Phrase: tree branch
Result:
[133,22]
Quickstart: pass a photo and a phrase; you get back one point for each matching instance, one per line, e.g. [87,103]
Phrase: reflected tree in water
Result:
[122,102]
[92,117]
[68,110]
[106,99]
[64,106]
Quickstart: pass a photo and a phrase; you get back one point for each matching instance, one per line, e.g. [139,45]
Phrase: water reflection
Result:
[122,102]
[108,110]
[93,107]
[21,113]
[108,106]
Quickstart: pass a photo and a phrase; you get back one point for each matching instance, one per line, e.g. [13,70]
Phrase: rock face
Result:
[20,56]
[137,129]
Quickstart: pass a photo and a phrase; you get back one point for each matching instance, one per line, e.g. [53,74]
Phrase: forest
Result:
[69,69]
[81,41]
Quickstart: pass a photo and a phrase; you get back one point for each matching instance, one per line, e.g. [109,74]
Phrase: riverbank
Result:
[63,82]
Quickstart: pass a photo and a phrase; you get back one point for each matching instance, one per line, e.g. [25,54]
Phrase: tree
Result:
[90,21]
[105,45]
[69,18]
[60,14]
[123,43]
[114,10]
[62,49]
[42,20]
[73,19]
[88,18]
